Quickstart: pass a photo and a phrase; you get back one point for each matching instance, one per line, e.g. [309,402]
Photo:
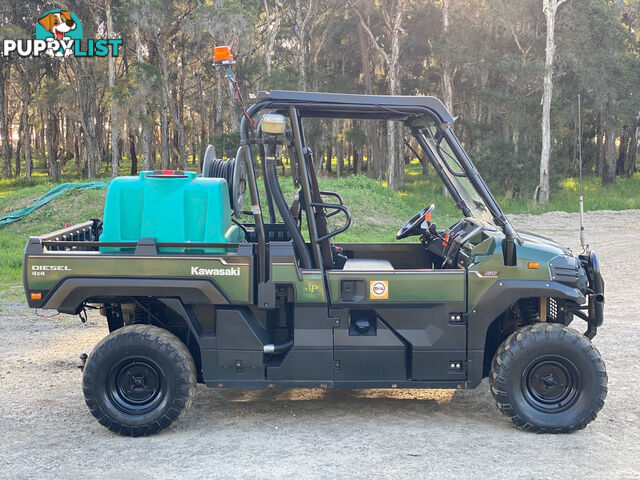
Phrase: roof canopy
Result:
[341,105]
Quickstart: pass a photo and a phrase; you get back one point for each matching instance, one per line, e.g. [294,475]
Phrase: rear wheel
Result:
[138,380]
[548,378]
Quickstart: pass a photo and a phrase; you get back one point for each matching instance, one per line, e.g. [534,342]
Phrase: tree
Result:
[114,123]
[448,72]
[393,15]
[550,7]
[5,132]
[485,59]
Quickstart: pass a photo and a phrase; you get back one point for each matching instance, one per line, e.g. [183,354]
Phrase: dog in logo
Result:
[58,24]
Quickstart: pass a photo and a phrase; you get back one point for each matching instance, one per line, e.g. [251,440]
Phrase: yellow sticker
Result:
[379,289]
[312,288]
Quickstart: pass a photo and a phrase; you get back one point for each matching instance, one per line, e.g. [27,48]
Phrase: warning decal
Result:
[379,289]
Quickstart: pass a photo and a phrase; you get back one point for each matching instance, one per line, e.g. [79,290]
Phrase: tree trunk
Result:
[395,176]
[302,62]
[21,137]
[76,149]
[203,122]
[622,152]
[115,126]
[549,8]
[25,135]
[633,149]
[599,145]
[101,141]
[146,122]
[375,154]
[301,18]
[132,152]
[43,139]
[170,103]
[52,146]
[610,157]
[90,118]
[337,127]
[448,73]
[425,164]
[182,140]
[28,162]
[269,49]
[393,15]
[4,120]
[164,137]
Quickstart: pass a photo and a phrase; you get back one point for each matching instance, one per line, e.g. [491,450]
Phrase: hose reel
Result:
[233,171]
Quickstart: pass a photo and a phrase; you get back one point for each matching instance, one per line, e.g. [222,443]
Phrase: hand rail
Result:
[335,195]
[337,209]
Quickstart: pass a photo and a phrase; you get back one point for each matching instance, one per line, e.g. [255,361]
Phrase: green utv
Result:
[192,295]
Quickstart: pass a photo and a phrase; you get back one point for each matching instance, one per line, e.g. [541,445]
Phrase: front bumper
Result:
[595,294]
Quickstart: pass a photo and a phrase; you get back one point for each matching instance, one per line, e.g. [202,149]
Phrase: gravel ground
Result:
[47,431]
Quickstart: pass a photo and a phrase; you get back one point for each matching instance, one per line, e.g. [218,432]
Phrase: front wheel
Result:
[138,380]
[548,378]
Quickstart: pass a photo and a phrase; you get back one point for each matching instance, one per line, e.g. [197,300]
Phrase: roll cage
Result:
[416,112]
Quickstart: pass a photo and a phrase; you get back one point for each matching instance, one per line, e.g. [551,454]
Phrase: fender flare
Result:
[504,294]
[68,295]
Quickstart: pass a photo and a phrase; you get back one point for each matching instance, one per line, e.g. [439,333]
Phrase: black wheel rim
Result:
[136,385]
[551,384]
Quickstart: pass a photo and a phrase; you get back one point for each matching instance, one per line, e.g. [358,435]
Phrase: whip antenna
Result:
[582,234]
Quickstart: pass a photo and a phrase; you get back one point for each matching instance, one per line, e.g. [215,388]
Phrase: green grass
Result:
[377,212]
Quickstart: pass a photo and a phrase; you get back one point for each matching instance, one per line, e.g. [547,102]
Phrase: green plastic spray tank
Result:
[170,206]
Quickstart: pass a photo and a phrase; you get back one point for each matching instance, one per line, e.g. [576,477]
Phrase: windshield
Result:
[443,153]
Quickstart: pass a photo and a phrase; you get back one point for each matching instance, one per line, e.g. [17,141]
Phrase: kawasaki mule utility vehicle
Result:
[191,295]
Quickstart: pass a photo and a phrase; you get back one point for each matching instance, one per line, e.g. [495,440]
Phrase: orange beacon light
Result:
[222,55]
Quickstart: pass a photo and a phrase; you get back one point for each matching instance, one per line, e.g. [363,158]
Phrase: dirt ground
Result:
[46,430]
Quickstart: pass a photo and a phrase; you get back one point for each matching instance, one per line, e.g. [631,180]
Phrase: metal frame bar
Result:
[253,190]
[298,109]
[478,183]
[298,139]
[460,203]
[60,243]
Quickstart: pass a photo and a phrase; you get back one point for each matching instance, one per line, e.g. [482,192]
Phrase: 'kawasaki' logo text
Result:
[209,272]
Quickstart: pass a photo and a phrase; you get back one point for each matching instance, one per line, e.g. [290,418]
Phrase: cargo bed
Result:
[62,266]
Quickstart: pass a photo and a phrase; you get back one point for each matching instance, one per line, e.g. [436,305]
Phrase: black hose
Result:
[222,169]
[272,180]
[272,212]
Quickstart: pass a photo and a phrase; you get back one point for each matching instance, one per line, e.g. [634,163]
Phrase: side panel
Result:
[234,349]
[232,275]
[366,349]
[399,286]
[311,357]
[420,328]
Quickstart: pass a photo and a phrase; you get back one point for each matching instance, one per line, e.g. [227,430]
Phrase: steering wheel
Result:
[414,226]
